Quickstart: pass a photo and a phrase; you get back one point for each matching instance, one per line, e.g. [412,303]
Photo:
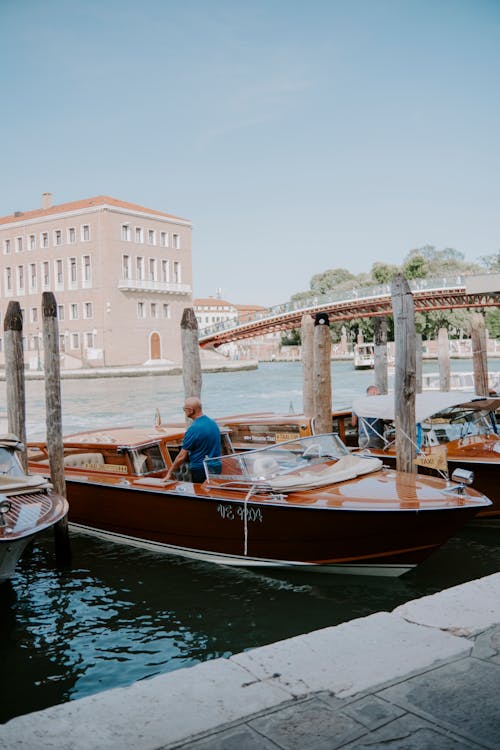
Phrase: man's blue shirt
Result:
[202,439]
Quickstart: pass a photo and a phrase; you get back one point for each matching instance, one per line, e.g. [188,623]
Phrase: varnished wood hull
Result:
[486,478]
[201,525]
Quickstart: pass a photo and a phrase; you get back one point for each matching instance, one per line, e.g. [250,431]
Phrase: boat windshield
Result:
[9,463]
[458,422]
[277,460]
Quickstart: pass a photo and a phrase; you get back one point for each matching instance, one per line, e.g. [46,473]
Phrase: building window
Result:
[176,239]
[139,268]
[58,270]
[87,271]
[139,235]
[165,271]
[60,312]
[152,269]
[8,280]
[71,235]
[33,280]
[34,314]
[154,310]
[88,310]
[57,237]
[46,274]
[126,232]
[89,340]
[73,311]
[85,232]
[44,239]
[126,266]
[141,310]
[151,237]
[166,311]
[32,242]
[177,272]
[19,244]
[72,274]
[6,247]
[62,342]
[75,341]
[20,279]
[164,239]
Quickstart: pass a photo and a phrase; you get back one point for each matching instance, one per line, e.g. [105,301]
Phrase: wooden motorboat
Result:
[28,506]
[305,502]
[457,431]
[249,431]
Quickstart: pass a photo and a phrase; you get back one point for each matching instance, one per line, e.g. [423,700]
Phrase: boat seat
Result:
[81,460]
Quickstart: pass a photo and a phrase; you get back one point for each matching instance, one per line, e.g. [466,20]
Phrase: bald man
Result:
[202,440]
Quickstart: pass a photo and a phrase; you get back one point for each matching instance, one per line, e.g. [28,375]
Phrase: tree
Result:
[491,262]
[382,273]
[415,267]
[330,280]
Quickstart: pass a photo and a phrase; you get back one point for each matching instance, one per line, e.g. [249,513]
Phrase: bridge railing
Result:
[315,300]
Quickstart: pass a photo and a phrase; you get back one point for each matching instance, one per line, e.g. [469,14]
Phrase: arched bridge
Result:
[428,294]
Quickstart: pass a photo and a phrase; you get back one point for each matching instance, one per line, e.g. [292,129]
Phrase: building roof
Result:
[212,302]
[100,200]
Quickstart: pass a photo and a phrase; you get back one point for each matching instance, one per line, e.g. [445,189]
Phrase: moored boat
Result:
[457,431]
[28,506]
[306,502]
[364,356]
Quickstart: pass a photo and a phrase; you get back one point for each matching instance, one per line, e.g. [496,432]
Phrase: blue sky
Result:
[297,136]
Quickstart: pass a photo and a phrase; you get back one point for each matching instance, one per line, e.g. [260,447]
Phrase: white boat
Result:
[364,356]
[459,381]
[28,506]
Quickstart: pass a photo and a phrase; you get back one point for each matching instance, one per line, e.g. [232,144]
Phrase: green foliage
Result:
[492,320]
[382,273]
[415,267]
[332,279]
[291,338]
[491,262]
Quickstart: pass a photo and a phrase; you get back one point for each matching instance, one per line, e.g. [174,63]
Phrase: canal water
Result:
[120,614]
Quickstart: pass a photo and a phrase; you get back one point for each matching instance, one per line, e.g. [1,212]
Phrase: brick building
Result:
[121,275]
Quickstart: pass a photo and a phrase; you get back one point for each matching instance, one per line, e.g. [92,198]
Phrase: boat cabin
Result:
[122,451]
[250,431]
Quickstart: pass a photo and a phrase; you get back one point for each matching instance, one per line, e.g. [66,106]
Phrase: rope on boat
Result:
[420,452]
[245,518]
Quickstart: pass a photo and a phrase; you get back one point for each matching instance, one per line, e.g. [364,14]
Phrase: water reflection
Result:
[122,614]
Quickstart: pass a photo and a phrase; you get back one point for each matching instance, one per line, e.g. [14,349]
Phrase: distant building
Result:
[210,311]
[121,275]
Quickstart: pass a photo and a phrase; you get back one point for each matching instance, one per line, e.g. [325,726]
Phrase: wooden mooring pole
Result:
[380,353]
[444,359]
[14,376]
[418,361]
[479,354]
[191,363]
[307,336]
[405,373]
[322,375]
[55,448]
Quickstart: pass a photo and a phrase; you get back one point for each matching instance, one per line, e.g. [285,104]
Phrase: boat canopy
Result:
[302,464]
[426,404]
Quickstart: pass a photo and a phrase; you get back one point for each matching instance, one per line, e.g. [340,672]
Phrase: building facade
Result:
[121,275]
[211,310]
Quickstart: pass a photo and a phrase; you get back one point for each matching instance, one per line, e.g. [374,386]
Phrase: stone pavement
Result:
[423,677]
